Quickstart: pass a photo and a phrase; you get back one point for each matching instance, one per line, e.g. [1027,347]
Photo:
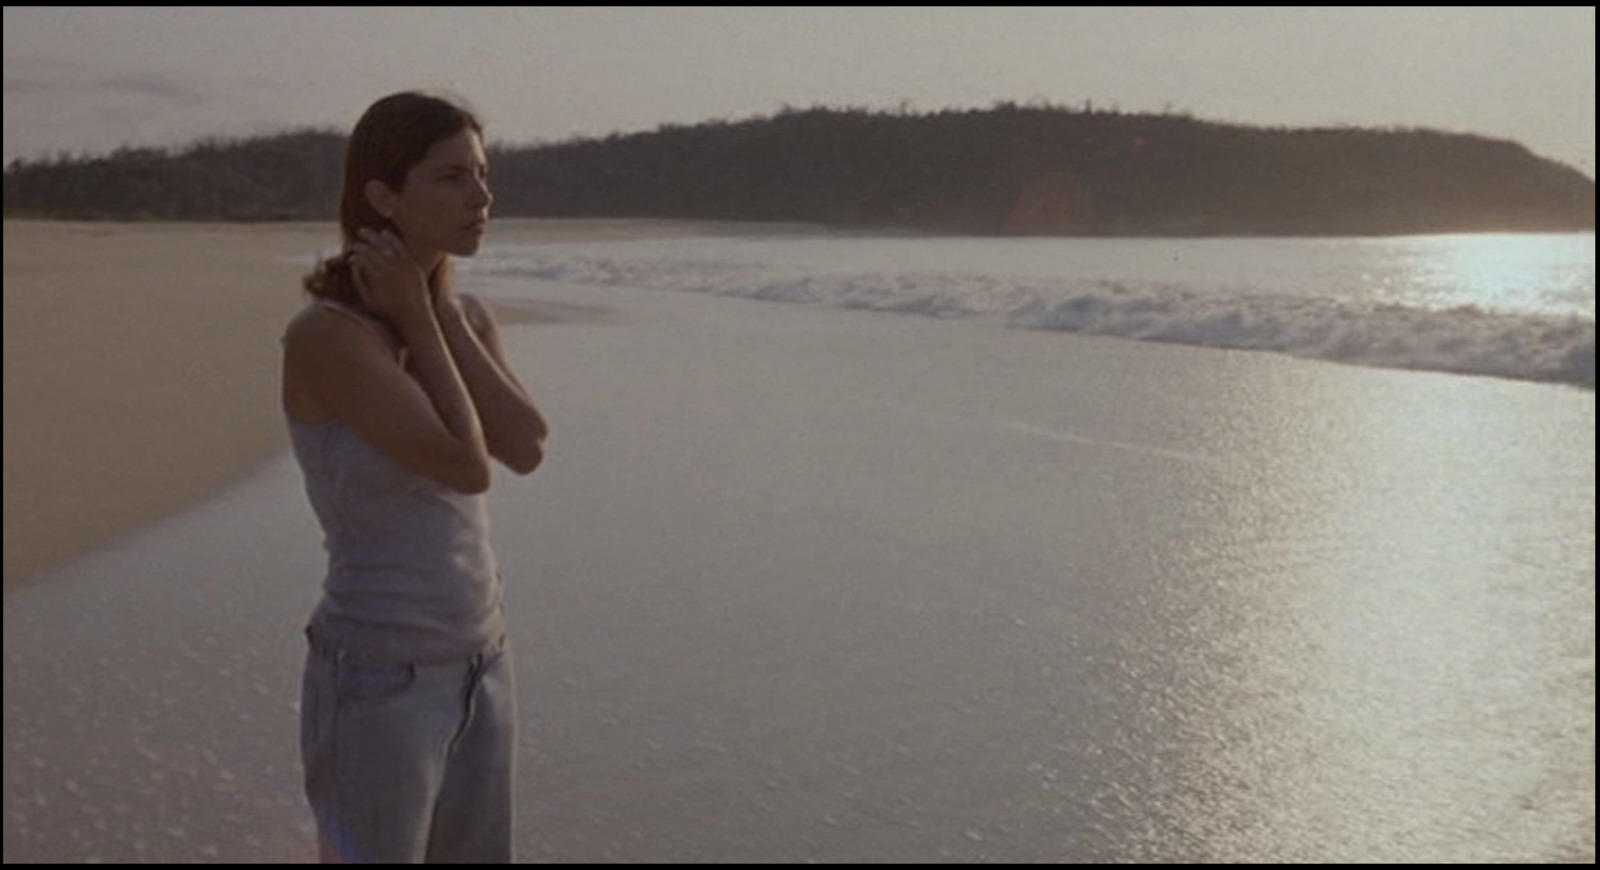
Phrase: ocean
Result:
[1515,306]
[893,549]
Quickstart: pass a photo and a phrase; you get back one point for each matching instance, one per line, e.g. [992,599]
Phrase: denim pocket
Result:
[373,682]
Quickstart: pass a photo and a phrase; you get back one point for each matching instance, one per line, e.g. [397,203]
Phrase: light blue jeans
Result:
[409,763]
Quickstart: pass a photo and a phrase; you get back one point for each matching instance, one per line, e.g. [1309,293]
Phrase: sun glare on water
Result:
[1510,272]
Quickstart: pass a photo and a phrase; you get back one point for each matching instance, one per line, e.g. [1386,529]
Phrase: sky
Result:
[89,80]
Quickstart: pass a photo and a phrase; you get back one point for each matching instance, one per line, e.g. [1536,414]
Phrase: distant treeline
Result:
[1008,169]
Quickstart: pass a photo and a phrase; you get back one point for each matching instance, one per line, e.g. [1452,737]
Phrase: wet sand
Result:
[798,584]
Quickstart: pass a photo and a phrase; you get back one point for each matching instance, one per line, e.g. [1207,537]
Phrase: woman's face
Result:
[444,207]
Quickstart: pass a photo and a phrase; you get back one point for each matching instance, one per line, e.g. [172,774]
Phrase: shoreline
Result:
[141,365]
[807,584]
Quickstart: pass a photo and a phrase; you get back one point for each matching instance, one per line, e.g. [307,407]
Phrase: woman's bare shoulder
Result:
[310,334]
[323,320]
[326,346]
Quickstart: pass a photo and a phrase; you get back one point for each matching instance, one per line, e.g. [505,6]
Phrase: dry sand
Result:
[141,366]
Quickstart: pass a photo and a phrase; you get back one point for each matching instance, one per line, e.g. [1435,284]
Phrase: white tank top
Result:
[411,576]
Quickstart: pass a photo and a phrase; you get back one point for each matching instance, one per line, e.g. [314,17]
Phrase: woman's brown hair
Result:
[393,135]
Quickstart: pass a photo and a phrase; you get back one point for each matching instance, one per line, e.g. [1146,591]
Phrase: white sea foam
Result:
[1363,328]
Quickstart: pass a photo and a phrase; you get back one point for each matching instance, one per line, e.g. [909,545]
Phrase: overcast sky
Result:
[88,80]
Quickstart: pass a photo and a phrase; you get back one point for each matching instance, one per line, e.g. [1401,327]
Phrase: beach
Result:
[141,366]
[800,583]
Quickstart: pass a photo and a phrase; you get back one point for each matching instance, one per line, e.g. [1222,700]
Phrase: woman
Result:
[398,394]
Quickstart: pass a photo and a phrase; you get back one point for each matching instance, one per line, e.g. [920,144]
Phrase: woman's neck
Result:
[428,261]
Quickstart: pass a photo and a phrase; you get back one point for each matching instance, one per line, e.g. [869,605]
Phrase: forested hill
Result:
[1007,169]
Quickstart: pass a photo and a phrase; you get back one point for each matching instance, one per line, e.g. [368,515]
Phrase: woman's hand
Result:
[391,284]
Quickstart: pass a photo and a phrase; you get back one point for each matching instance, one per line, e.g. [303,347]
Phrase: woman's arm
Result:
[512,424]
[424,421]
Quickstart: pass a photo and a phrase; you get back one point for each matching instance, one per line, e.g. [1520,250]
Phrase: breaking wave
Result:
[1468,340]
